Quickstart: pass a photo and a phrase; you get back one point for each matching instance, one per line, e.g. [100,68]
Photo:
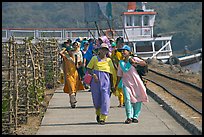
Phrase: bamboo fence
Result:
[27,70]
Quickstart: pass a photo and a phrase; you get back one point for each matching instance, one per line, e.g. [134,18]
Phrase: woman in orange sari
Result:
[72,82]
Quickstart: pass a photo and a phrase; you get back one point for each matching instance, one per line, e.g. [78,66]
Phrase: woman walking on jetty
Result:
[78,59]
[72,82]
[116,56]
[132,85]
[101,68]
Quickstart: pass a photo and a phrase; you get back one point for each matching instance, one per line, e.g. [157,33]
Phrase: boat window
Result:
[137,20]
[157,46]
[146,20]
[129,21]
[143,46]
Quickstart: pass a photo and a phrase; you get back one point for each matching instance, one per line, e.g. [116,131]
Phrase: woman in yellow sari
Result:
[72,82]
[116,56]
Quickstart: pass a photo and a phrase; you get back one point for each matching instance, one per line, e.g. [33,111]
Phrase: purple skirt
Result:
[101,91]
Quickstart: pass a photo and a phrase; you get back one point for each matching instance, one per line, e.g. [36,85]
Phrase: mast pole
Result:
[97,29]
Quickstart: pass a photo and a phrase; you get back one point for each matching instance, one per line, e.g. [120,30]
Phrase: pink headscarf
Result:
[106,40]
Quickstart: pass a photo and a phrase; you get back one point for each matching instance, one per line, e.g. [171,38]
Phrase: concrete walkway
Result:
[61,119]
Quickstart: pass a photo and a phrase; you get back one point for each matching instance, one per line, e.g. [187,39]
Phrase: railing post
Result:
[63,34]
[36,36]
[9,33]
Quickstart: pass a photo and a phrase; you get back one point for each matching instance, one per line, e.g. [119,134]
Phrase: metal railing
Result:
[60,34]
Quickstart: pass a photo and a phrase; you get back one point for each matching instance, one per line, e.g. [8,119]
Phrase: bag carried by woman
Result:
[87,78]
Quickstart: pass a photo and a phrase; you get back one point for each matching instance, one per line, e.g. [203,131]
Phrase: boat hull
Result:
[187,60]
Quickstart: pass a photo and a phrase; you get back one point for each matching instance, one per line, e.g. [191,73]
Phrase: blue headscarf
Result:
[82,44]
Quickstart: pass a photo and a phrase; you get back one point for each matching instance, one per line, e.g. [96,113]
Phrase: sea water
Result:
[195,67]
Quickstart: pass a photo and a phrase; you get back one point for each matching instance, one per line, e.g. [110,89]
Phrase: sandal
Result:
[73,105]
[128,121]
[134,120]
[102,122]
[98,119]
[73,99]
[120,106]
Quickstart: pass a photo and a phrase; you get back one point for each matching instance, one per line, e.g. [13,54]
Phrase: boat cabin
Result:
[138,32]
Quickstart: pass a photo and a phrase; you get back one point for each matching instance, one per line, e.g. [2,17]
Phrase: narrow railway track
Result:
[185,92]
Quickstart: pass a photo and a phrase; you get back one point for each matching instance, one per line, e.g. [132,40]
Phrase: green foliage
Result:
[4,105]
[184,18]
[49,75]
[40,94]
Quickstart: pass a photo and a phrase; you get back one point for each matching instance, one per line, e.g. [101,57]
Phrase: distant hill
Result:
[182,19]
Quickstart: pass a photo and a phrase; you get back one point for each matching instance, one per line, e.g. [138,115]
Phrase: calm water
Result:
[196,67]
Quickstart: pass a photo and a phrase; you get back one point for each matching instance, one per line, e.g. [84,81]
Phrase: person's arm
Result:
[62,52]
[117,82]
[119,76]
[142,63]
[90,67]
[76,61]
[137,62]
[115,66]
[84,63]
[111,81]
[116,85]
[80,63]
[90,71]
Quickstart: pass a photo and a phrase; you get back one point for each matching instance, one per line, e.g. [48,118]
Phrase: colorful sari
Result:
[101,90]
[133,89]
[116,56]
[72,82]
[132,81]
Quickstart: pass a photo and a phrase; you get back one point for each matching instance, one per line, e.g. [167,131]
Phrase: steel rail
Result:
[184,82]
[198,110]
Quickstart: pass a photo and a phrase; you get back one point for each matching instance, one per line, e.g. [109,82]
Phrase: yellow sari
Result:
[106,66]
[116,56]
[72,83]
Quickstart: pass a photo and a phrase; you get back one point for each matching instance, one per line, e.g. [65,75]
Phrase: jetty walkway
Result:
[61,119]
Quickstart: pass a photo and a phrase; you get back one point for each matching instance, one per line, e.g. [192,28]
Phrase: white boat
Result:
[139,27]
[138,30]
[194,57]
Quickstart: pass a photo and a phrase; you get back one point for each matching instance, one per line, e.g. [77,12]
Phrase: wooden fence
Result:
[27,70]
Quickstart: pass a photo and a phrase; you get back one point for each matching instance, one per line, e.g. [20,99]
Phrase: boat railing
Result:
[159,51]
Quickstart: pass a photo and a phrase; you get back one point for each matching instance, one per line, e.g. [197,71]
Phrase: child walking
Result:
[132,85]
[101,68]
